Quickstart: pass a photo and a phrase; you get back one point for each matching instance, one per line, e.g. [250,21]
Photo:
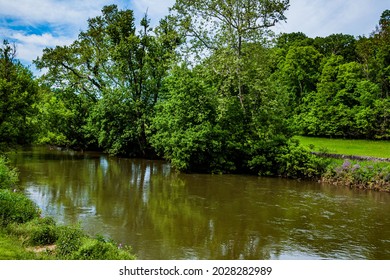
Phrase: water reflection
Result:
[166,215]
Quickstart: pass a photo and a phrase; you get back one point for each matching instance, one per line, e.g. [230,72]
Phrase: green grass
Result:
[380,149]
[12,249]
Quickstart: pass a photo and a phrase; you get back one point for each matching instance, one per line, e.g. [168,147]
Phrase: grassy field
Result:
[371,148]
[11,249]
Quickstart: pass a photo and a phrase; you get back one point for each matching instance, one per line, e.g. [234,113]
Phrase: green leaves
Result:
[18,95]
[107,82]
[184,128]
[8,175]
[333,86]
[16,207]
[219,24]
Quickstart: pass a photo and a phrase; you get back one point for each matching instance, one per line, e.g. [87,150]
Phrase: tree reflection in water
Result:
[166,215]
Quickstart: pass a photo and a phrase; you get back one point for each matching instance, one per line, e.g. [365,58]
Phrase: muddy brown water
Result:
[166,215]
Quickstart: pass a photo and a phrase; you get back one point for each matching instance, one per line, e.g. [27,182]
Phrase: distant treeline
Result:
[210,89]
[337,86]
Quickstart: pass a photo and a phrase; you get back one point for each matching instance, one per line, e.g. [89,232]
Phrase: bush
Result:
[99,249]
[298,162]
[8,176]
[69,241]
[17,208]
[39,231]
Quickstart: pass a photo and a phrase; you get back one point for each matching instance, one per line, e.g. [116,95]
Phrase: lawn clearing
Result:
[11,249]
[379,149]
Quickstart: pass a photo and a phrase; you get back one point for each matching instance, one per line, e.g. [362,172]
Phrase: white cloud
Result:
[36,24]
[45,39]
[154,8]
[325,17]
[31,46]
[58,12]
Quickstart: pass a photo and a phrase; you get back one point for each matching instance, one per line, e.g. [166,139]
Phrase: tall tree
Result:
[225,26]
[18,96]
[119,70]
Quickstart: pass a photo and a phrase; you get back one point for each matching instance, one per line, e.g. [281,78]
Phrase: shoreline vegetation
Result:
[26,234]
[352,163]
[365,175]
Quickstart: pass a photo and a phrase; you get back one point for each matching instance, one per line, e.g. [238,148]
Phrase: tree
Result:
[118,72]
[18,96]
[225,26]
[186,129]
[337,44]
[62,118]
[345,104]
[286,40]
[382,40]
[300,71]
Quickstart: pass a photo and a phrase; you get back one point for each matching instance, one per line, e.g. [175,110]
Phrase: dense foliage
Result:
[210,89]
[18,94]
[8,175]
[16,207]
[337,86]
[105,84]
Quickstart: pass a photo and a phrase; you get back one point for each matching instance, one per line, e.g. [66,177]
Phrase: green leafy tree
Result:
[115,72]
[18,97]
[243,114]
[300,72]
[345,104]
[330,107]
[287,40]
[62,118]
[225,27]
[186,127]
[382,39]
[337,44]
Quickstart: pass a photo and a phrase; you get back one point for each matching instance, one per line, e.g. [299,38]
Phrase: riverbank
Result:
[360,164]
[366,175]
[12,249]
[26,234]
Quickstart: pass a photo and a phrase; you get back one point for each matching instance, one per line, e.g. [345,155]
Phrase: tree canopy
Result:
[18,94]
[210,88]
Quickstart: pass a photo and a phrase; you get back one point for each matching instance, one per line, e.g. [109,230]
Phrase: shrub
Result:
[17,208]
[99,249]
[298,162]
[8,175]
[39,231]
[69,241]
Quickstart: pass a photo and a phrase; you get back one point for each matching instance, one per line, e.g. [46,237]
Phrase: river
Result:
[163,214]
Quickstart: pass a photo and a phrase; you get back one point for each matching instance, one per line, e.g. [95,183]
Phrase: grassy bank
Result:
[368,175]
[362,174]
[12,249]
[380,149]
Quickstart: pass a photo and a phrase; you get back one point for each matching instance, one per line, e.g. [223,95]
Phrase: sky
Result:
[36,24]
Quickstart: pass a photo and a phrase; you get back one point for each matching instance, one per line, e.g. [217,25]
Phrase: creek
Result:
[163,214]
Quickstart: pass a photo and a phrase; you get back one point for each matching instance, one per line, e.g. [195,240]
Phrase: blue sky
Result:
[36,24]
